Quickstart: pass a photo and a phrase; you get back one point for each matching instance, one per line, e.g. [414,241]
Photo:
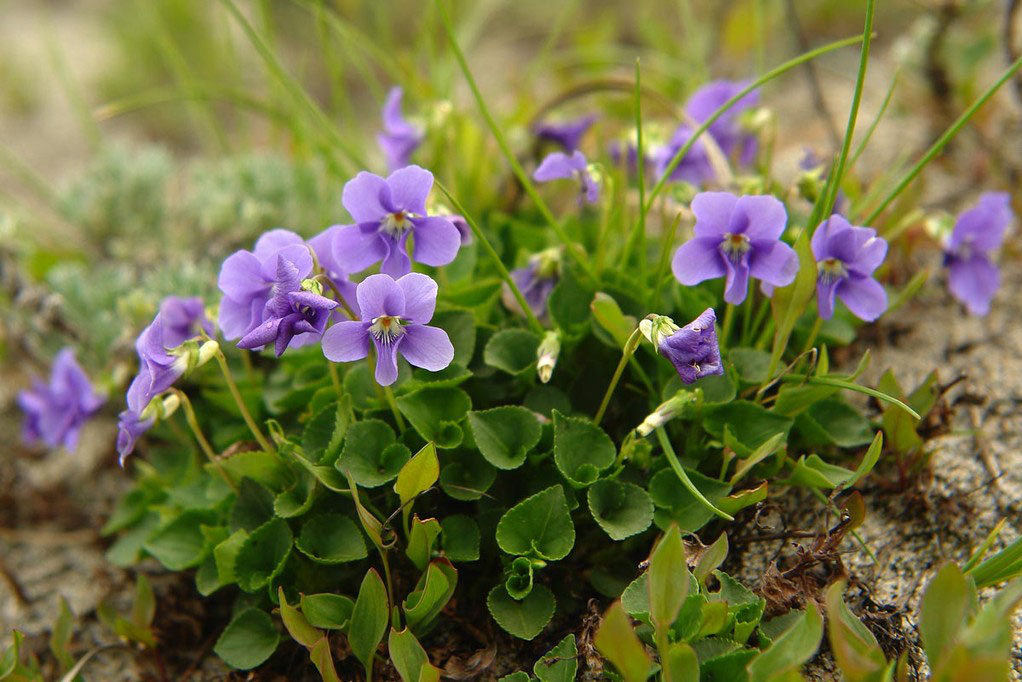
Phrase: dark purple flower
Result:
[399,138]
[536,280]
[291,310]
[565,133]
[726,130]
[130,427]
[178,320]
[323,246]
[560,166]
[386,212]
[692,349]
[846,257]
[737,238]
[55,412]
[972,276]
[393,315]
[247,279]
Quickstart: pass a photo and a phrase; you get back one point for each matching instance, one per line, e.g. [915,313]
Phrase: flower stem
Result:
[335,379]
[204,444]
[389,395]
[534,322]
[626,353]
[236,394]
[729,321]
[813,333]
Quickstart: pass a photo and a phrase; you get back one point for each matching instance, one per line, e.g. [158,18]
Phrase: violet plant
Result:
[436,404]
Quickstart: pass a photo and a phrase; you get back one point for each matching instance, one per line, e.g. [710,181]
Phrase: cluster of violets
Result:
[289,292]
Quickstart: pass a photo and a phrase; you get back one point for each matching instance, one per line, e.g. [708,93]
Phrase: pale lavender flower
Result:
[973,278]
[560,166]
[737,238]
[694,167]
[386,212]
[178,320]
[393,315]
[323,246]
[130,427]
[55,411]
[692,349]
[846,257]
[726,130]
[247,279]
[291,310]
[565,133]
[536,280]
[399,138]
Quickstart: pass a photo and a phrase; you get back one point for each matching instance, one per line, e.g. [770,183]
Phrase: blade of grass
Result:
[942,141]
[679,471]
[639,231]
[823,209]
[765,78]
[505,148]
[861,147]
[321,122]
[92,133]
[495,257]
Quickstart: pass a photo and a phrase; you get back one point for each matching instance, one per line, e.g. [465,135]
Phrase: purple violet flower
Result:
[178,320]
[386,212]
[726,130]
[565,133]
[323,246]
[393,316]
[536,281]
[846,257]
[399,138]
[130,427]
[973,278]
[247,279]
[694,168]
[55,412]
[737,238]
[560,166]
[291,310]
[692,349]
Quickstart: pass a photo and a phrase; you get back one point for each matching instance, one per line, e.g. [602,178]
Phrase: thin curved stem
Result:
[626,353]
[236,394]
[534,322]
[204,445]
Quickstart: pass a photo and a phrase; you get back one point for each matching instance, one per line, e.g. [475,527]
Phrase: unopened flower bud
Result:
[546,355]
[668,410]
[207,351]
[656,328]
[169,405]
[314,285]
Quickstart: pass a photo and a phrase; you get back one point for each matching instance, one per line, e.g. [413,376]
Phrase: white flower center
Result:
[832,269]
[386,328]
[734,246]
[396,224]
